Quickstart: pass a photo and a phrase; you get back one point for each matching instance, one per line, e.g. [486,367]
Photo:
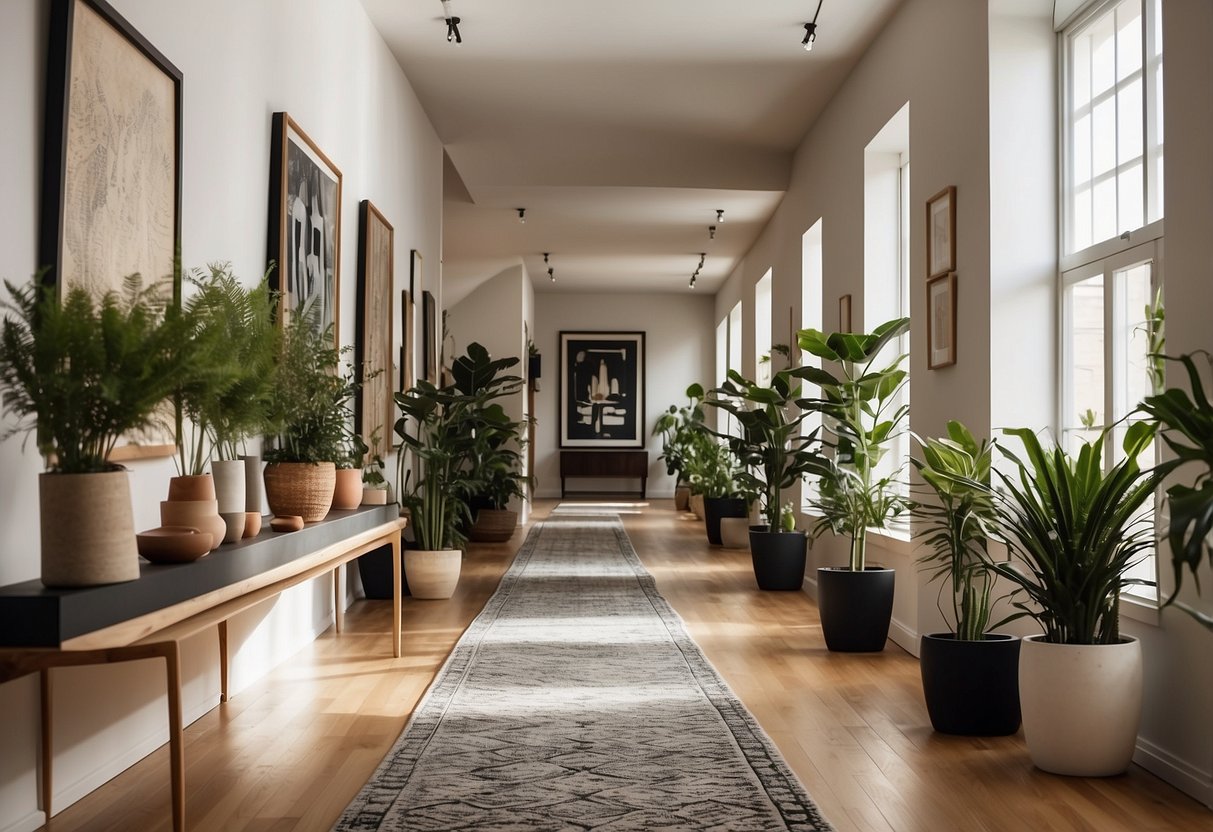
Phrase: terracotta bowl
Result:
[201,487]
[201,514]
[287,523]
[173,544]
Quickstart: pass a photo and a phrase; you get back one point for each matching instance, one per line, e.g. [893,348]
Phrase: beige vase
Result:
[1081,705]
[735,532]
[347,491]
[374,496]
[682,498]
[432,574]
[696,505]
[300,488]
[203,515]
[88,529]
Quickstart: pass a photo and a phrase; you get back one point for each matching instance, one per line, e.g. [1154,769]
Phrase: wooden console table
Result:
[611,464]
[42,629]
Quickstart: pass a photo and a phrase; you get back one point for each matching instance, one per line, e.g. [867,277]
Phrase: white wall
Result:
[679,348]
[323,62]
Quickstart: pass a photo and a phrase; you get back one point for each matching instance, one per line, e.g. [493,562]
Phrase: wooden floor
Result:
[289,753]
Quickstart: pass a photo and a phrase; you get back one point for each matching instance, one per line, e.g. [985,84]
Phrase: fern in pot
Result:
[861,414]
[78,375]
[1074,531]
[970,676]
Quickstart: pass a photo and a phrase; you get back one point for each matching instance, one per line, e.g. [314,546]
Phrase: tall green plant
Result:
[1075,530]
[81,373]
[957,469]
[860,416]
[677,428]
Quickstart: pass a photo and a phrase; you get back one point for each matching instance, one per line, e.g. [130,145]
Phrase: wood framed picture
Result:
[844,313]
[111,170]
[304,226]
[408,329]
[429,336]
[373,351]
[941,321]
[941,232]
[602,390]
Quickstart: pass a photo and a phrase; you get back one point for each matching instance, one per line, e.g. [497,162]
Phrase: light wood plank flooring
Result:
[290,752]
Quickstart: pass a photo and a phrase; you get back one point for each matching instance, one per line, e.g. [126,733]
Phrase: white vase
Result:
[88,529]
[1081,705]
[229,476]
[252,483]
[735,532]
[432,574]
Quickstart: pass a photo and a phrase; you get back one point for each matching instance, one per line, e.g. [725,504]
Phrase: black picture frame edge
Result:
[56,105]
[641,437]
[367,210]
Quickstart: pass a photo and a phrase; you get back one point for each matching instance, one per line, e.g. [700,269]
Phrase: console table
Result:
[41,628]
[612,464]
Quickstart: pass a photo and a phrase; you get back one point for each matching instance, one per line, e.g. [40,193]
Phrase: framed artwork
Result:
[429,336]
[844,313]
[602,390]
[941,232]
[373,408]
[111,174]
[304,226]
[407,329]
[941,321]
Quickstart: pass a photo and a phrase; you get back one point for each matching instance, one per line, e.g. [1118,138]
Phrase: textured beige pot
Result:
[735,532]
[203,515]
[300,488]
[1081,705]
[682,498]
[432,574]
[696,505]
[88,529]
[347,493]
[374,496]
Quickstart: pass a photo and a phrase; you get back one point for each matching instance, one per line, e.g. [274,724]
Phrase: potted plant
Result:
[715,478]
[499,461]
[1074,530]
[970,676]
[677,427]
[78,375]
[308,419]
[774,456]
[438,428]
[351,461]
[860,417]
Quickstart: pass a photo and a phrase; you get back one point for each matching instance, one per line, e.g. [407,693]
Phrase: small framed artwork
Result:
[844,313]
[407,333]
[941,321]
[304,226]
[602,390]
[111,178]
[429,336]
[373,351]
[941,232]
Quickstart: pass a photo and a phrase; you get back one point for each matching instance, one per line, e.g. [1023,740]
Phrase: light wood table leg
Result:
[338,601]
[176,737]
[223,662]
[48,750]
[397,574]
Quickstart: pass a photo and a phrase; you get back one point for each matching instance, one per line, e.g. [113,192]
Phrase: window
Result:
[1112,124]
[735,338]
[722,351]
[810,318]
[762,329]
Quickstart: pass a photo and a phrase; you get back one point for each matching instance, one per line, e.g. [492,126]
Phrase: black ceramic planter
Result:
[779,559]
[375,569]
[856,608]
[971,687]
[716,507]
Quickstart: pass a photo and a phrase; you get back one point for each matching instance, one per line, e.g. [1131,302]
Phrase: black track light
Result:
[711,232]
[719,216]
[810,30]
[452,24]
[522,215]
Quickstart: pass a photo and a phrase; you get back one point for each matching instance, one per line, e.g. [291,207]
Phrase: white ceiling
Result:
[620,125]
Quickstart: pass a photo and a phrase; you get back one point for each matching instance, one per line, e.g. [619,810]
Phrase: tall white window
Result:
[722,351]
[735,335]
[762,329]
[810,318]
[1112,228]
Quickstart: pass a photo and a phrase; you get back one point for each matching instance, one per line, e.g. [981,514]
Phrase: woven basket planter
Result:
[301,488]
[88,530]
[494,525]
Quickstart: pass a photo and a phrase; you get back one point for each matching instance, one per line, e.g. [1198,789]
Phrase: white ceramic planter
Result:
[88,529]
[252,483]
[1081,705]
[230,477]
[735,532]
[432,574]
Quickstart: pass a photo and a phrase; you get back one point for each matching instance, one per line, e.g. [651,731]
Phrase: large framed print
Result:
[373,407]
[602,390]
[111,168]
[304,226]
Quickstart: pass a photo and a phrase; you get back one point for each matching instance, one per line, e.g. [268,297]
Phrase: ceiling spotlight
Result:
[719,215]
[711,232]
[452,24]
[522,215]
[703,255]
[545,257]
[810,30]
[551,275]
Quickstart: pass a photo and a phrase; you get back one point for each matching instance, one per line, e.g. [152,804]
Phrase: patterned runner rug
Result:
[575,701]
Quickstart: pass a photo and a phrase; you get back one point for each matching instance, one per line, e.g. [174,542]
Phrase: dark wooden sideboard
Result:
[607,464]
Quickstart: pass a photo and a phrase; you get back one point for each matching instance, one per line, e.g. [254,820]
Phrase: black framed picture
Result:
[602,390]
[429,336]
[304,225]
[374,345]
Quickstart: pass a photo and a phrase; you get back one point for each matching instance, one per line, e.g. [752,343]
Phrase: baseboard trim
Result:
[904,637]
[1179,773]
[28,823]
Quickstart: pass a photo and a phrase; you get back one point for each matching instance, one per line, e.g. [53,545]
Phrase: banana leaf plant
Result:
[1187,429]
[677,427]
[861,415]
[1074,531]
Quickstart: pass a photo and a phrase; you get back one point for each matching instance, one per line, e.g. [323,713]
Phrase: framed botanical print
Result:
[373,353]
[304,226]
[941,232]
[602,390]
[941,321]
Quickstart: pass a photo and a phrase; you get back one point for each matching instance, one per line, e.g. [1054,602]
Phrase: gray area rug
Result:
[576,700]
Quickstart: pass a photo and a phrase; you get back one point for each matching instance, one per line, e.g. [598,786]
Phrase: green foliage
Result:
[677,428]
[235,343]
[772,453]
[1187,429]
[1075,531]
[957,468]
[712,470]
[860,419]
[442,428]
[498,456]
[81,373]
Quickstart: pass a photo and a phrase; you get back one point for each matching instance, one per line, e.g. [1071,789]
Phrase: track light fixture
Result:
[703,256]
[522,216]
[452,24]
[810,30]
[546,254]
[711,232]
[551,274]
[719,216]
